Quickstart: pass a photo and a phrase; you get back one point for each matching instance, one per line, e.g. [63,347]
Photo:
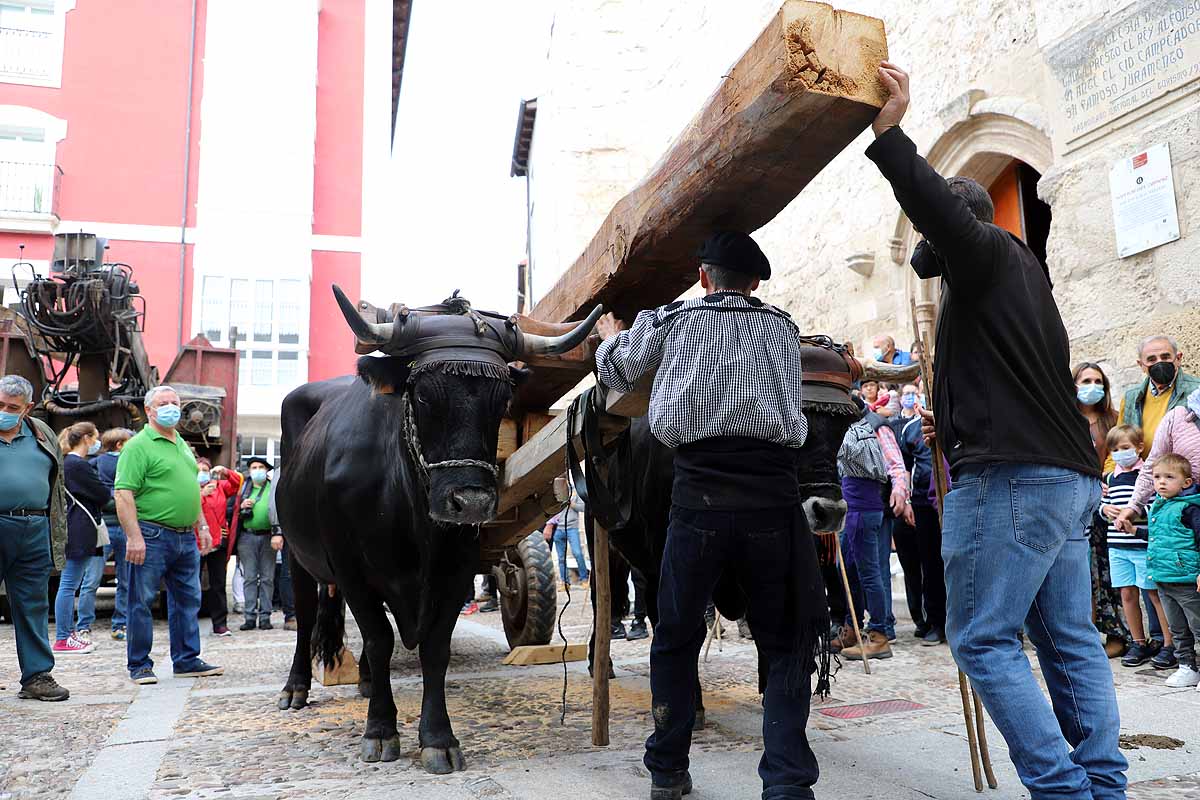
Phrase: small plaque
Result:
[1143,198]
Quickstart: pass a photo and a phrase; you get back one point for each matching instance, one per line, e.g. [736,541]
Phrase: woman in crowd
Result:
[217,485]
[1093,395]
[86,497]
[111,443]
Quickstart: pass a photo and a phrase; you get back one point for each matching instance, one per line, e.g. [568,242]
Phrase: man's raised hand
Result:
[895,80]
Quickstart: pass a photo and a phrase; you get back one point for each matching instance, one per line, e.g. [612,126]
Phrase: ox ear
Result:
[387,375]
[519,374]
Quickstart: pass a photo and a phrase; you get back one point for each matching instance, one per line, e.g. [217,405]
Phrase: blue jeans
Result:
[171,557]
[884,544]
[563,536]
[1016,552]
[861,547]
[80,575]
[25,566]
[116,549]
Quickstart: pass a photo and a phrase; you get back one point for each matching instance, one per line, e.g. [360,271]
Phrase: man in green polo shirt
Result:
[158,503]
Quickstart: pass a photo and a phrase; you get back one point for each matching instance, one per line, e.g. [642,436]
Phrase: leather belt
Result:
[170,528]
[24,512]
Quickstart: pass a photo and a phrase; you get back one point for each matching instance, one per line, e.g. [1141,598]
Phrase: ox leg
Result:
[364,673]
[295,692]
[380,741]
[440,752]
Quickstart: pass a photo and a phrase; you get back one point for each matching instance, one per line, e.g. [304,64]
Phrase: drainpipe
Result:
[187,169]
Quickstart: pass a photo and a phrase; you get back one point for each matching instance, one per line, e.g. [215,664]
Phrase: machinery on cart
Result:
[76,335]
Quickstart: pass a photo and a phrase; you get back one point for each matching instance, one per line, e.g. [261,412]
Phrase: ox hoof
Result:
[699,726]
[442,760]
[295,699]
[364,688]
[372,750]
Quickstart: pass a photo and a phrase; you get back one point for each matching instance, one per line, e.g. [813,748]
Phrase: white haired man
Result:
[158,503]
[33,531]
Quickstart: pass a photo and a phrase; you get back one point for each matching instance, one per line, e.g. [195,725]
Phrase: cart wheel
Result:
[528,597]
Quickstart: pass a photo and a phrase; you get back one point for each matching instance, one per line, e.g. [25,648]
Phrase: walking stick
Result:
[837,543]
[972,707]
[715,629]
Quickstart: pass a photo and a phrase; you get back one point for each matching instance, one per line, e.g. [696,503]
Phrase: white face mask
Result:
[1125,458]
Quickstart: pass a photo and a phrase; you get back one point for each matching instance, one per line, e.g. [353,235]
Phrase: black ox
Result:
[640,471]
[386,478]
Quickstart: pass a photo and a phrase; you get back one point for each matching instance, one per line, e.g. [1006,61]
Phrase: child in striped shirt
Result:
[1127,551]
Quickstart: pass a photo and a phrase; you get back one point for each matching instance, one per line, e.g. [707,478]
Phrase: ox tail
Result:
[329,630]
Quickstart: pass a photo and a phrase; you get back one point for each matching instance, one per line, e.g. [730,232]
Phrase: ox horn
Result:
[890,373]
[536,345]
[371,333]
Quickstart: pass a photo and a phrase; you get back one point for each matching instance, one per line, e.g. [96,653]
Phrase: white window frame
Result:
[53,130]
[56,45]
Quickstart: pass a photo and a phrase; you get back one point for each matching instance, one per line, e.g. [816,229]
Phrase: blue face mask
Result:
[1125,458]
[908,400]
[1089,393]
[258,475]
[167,416]
[9,420]
[202,477]
[93,448]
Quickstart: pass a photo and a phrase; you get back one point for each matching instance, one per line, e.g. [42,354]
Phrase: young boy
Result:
[1173,559]
[1127,551]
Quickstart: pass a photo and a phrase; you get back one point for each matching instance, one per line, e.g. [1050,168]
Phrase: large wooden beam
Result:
[802,92]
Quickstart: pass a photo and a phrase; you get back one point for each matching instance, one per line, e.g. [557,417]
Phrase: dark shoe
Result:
[618,630]
[289,624]
[221,631]
[670,787]
[43,687]
[922,630]
[637,630]
[744,631]
[1139,653]
[143,677]
[200,670]
[489,605]
[935,637]
[1154,646]
[248,625]
[266,625]
[1165,659]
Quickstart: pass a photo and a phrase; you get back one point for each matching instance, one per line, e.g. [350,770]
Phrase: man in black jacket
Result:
[1025,479]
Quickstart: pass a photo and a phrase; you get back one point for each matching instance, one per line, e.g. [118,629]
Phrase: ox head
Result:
[829,375]
[449,368]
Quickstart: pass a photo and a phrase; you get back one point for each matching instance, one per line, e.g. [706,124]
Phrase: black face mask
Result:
[1162,372]
[925,261]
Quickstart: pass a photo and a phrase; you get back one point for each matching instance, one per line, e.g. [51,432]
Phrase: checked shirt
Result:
[728,365]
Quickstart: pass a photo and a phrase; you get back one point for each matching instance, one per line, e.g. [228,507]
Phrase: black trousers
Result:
[756,547]
[933,570]
[908,551]
[213,598]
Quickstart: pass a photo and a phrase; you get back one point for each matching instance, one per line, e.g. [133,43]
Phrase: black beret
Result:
[250,462]
[736,251]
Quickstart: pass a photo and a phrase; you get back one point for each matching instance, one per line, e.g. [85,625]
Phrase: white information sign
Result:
[1143,198]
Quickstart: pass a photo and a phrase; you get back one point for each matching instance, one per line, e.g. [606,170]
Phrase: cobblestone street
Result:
[223,738]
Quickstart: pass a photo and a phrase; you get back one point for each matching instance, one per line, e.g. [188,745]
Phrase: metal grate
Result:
[860,710]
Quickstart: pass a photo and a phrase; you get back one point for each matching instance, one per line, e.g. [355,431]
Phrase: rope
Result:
[562,718]
[414,448]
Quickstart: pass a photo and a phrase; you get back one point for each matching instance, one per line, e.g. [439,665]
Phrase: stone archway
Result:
[980,145]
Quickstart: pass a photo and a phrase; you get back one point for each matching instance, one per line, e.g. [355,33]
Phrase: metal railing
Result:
[26,54]
[29,188]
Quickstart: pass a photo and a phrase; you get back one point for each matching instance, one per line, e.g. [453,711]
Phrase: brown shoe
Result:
[844,639]
[289,625]
[1115,647]
[877,647]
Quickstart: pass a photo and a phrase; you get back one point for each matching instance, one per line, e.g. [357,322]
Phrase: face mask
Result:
[258,475]
[1162,372]
[9,420]
[1090,393]
[908,400]
[877,354]
[1125,458]
[202,477]
[93,448]
[167,416]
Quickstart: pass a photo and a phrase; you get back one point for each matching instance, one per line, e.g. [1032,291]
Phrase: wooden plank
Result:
[508,442]
[344,674]
[798,96]
[630,404]
[532,422]
[603,634]
[533,655]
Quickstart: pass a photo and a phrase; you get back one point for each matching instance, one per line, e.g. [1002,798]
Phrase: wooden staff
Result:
[715,629]
[972,708]
[600,652]
[837,543]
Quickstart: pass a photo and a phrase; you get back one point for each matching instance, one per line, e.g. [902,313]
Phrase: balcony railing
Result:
[26,54]
[29,188]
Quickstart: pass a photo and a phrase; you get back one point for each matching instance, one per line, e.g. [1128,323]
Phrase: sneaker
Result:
[637,630]
[289,624]
[1165,659]
[670,786]
[618,630]
[469,608]
[221,631]
[84,636]
[71,645]
[1139,653]
[43,687]
[200,670]
[239,608]
[143,677]
[1184,677]
[744,631]
[935,637]
[119,633]
[877,647]
[266,625]
[922,630]
[248,625]
[489,605]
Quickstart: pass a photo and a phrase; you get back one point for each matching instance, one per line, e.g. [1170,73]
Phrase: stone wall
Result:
[625,77]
